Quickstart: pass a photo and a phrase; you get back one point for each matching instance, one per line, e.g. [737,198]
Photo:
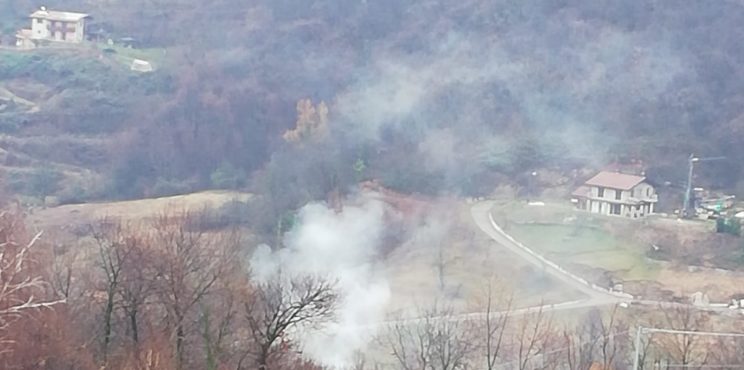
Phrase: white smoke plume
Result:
[342,247]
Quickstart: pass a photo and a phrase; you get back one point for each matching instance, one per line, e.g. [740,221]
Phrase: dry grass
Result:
[719,285]
[142,209]
[472,259]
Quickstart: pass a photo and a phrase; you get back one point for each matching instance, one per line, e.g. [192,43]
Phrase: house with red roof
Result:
[618,194]
[52,26]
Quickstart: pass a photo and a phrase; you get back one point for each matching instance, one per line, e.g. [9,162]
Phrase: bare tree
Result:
[727,351]
[533,335]
[496,306]
[436,340]
[21,283]
[217,317]
[596,342]
[63,268]
[137,281]
[112,251]
[684,349]
[280,305]
[579,348]
[189,262]
[23,287]
[643,351]
[612,339]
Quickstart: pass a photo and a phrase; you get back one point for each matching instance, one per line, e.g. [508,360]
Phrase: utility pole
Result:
[688,206]
[637,348]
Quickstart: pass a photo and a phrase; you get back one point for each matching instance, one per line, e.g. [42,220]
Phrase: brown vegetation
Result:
[160,294]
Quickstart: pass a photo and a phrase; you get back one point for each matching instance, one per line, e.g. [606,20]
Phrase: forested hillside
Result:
[432,97]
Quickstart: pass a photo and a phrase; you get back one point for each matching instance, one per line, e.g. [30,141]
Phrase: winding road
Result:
[596,296]
[481,216]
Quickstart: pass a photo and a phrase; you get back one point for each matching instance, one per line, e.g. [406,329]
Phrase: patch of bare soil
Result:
[689,243]
[694,256]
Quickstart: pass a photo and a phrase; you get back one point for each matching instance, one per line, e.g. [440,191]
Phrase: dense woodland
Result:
[428,97]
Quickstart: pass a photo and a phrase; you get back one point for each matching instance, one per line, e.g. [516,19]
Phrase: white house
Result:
[51,25]
[614,193]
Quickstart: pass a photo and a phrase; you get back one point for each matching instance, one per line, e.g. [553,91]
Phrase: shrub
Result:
[43,181]
[165,187]
[229,214]
[728,226]
[227,176]
[39,182]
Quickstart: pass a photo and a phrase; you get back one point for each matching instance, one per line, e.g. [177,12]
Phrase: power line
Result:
[563,349]
[708,333]
[737,366]
[641,330]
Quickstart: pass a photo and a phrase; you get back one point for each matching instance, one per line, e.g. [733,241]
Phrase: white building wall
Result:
[80,31]
[39,28]
[643,191]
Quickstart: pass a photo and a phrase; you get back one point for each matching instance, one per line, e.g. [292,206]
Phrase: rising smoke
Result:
[341,247]
[565,86]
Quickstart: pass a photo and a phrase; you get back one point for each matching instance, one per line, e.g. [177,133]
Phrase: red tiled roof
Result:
[615,180]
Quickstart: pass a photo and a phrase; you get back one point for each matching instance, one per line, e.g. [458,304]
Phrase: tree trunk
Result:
[179,345]
[263,358]
[108,313]
[133,324]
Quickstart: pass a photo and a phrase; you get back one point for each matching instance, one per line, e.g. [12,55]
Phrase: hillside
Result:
[480,92]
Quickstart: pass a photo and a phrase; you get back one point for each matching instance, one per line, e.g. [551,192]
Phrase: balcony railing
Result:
[652,199]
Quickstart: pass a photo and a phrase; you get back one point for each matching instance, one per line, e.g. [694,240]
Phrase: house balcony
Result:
[652,199]
[631,200]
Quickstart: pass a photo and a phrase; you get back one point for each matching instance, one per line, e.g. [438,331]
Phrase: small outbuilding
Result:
[139,65]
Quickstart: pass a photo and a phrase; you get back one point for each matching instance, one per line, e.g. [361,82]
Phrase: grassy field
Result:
[589,246]
[570,237]
[125,55]
[596,247]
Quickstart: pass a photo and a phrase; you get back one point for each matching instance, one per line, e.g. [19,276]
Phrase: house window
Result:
[648,192]
[618,194]
[615,209]
[600,192]
[37,20]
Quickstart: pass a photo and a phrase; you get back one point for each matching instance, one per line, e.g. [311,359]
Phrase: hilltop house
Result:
[614,193]
[55,26]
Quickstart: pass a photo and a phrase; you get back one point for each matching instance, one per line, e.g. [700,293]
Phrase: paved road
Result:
[480,212]
[594,297]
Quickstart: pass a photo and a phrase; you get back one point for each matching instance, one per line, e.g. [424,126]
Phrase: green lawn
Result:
[124,55]
[520,212]
[588,246]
